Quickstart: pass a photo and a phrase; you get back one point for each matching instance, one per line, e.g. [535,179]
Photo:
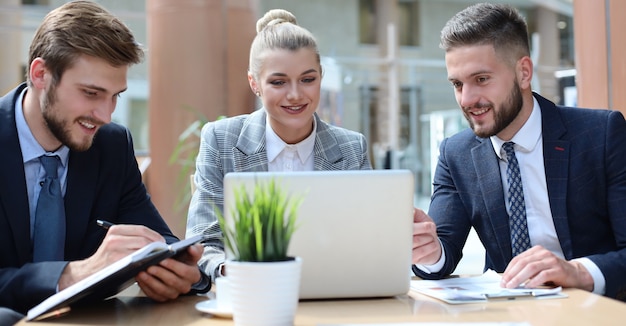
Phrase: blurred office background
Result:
[384,74]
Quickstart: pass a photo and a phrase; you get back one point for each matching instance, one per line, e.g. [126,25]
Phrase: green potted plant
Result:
[263,223]
[264,280]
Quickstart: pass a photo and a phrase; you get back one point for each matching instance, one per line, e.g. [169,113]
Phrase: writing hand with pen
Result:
[162,282]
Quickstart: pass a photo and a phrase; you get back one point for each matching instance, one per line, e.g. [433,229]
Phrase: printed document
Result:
[481,288]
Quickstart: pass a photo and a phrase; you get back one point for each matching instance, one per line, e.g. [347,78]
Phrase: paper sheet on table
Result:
[477,289]
[438,324]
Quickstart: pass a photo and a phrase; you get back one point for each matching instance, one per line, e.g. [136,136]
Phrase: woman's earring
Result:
[258,93]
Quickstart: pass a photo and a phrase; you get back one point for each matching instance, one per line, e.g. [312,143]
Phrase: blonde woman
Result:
[284,135]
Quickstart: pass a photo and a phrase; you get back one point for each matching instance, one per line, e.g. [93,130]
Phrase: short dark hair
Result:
[481,24]
[82,27]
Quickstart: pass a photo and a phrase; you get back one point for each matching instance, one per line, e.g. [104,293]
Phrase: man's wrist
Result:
[72,273]
[203,285]
[585,278]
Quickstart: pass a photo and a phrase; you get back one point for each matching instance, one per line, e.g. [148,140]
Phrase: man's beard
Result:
[60,128]
[509,110]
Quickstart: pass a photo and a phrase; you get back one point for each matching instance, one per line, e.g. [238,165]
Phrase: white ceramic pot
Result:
[264,293]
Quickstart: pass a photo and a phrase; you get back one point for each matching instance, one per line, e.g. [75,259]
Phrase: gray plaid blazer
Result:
[237,144]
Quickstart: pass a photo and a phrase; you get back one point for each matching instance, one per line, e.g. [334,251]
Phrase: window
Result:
[408,21]
[36,2]
[367,22]
[138,123]
[132,112]
[373,115]
[566,34]
[408,31]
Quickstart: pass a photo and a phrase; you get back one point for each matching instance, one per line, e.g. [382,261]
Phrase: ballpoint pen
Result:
[512,294]
[104,224]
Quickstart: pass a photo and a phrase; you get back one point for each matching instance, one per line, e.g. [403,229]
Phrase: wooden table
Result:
[580,308]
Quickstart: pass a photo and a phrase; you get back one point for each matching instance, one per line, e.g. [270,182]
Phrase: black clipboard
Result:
[110,280]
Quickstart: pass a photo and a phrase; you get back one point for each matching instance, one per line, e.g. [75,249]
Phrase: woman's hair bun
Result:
[275,17]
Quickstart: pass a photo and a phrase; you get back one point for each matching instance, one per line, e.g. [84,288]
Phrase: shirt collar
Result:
[31,149]
[275,145]
[527,137]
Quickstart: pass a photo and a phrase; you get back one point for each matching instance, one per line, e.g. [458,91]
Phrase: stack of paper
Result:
[479,289]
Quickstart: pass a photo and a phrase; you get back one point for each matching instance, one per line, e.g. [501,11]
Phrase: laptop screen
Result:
[355,229]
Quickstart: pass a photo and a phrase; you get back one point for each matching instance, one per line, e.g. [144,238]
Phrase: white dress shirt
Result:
[285,157]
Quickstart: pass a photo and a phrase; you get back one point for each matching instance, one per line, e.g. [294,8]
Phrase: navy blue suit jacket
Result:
[585,163]
[103,182]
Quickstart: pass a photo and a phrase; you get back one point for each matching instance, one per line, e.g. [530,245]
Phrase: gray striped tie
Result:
[520,240]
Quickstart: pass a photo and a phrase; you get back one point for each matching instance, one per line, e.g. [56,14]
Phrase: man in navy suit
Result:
[78,66]
[572,163]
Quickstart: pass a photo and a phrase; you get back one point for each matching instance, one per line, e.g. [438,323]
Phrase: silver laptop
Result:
[355,231]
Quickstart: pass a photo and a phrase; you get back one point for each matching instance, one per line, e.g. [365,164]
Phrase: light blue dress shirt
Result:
[31,151]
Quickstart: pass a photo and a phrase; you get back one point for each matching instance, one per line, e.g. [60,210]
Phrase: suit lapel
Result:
[80,195]
[14,199]
[556,160]
[250,154]
[327,155]
[490,183]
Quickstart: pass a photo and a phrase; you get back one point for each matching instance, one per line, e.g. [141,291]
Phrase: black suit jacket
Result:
[103,182]
[584,154]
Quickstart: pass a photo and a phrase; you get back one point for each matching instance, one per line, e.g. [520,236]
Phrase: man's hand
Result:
[426,246]
[538,266]
[171,277]
[120,241]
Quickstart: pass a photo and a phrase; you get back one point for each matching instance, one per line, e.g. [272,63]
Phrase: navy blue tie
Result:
[520,240]
[49,233]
